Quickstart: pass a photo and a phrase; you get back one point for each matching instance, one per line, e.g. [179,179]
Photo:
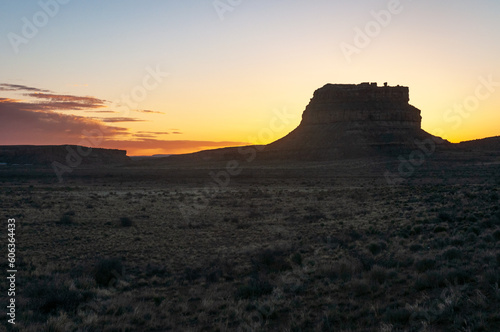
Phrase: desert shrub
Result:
[400,261]
[452,253]
[489,222]
[496,235]
[446,217]
[440,229]
[420,317]
[254,214]
[424,221]
[439,243]
[158,300]
[416,247]
[292,283]
[373,230]
[378,274]
[297,258]
[126,222]
[78,270]
[218,268]
[331,321]
[459,276]
[366,261]
[416,230]
[108,271]
[233,220]
[213,275]
[314,216]
[360,287]
[492,276]
[429,280]
[474,230]
[156,270]
[376,247]
[358,195]
[354,235]
[481,245]
[327,271]
[470,237]
[271,260]
[243,225]
[425,264]
[60,323]
[255,288]
[67,218]
[344,269]
[49,297]
[457,241]
[191,274]
[472,218]
[397,315]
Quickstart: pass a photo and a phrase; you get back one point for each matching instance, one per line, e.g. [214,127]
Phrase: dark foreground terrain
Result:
[296,247]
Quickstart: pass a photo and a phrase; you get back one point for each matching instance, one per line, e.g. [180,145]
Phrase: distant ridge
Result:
[47,154]
[484,144]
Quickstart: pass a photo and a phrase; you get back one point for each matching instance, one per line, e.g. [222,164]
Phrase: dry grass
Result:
[283,254]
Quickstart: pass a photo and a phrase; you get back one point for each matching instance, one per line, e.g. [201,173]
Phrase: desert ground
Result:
[317,246]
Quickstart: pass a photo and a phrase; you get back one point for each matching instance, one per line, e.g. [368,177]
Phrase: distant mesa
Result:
[64,154]
[349,120]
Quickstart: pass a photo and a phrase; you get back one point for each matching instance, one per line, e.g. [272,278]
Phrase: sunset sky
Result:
[161,77]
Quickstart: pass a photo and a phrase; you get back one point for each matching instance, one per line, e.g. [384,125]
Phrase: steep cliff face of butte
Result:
[348,120]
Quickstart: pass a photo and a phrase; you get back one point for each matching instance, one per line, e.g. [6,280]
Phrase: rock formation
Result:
[489,144]
[46,154]
[348,120]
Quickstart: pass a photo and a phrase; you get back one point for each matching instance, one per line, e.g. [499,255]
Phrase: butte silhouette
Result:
[349,120]
[343,121]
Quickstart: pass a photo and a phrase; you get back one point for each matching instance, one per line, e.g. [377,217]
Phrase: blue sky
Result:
[227,76]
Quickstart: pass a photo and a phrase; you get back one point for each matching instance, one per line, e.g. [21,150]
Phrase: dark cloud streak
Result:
[120,119]
[67,102]
[154,132]
[26,126]
[18,87]
[149,111]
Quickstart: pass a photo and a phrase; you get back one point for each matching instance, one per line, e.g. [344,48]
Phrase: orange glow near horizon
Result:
[133,151]
[184,80]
